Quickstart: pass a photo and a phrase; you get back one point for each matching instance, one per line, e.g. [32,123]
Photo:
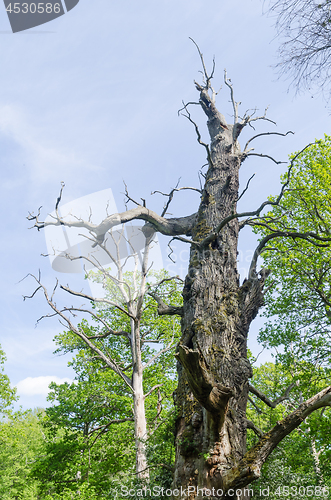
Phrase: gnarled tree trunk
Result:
[213,386]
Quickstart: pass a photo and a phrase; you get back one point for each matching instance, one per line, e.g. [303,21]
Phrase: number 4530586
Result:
[33,8]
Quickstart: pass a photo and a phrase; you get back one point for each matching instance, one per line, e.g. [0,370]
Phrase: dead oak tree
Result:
[213,369]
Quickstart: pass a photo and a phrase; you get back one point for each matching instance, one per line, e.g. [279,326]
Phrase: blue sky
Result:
[91,99]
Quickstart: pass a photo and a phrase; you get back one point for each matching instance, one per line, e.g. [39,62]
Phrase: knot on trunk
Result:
[214,397]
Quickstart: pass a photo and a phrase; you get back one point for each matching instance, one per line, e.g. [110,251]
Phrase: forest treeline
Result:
[61,452]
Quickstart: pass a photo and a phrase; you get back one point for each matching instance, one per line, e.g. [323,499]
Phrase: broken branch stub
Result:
[210,394]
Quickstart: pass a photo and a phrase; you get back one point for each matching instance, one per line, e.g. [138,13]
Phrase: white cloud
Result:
[32,386]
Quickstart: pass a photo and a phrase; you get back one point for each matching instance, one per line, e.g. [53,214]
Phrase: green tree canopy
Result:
[298,301]
[89,427]
[7,393]
[21,442]
[303,458]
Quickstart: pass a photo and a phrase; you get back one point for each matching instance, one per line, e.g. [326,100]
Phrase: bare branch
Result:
[263,156]
[106,359]
[235,104]
[31,216]
[59,198]
[171,195]
[258,410]
[247,186]
[152,390]
[212,236]
[206,146]
[34,293]
[109,332]
[311,237]
[248,119]
[170,227]
[264,133]
[165,280]
[190,103]
[164,309]
[161,351]
[92,299]
[128,197]
[185,240]
[305,49]
[105,427]
[206,76]
[251,425]
[267,401]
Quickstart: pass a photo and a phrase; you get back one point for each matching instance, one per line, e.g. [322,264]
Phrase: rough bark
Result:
[213,367]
